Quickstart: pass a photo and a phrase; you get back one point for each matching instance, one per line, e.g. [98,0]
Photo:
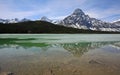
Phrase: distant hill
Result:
[41,27]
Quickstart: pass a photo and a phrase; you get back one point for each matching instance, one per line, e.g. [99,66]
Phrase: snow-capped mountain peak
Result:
[78,19]
[16,20]
[78,12]
[44,18]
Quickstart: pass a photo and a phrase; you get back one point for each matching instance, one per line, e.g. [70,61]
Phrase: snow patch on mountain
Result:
[16,20]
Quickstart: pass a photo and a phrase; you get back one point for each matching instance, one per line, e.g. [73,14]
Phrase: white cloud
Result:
[8,11]
[20,14]
[58,17]
[54,9]
[102,13]
[93,14]
[51,8]
[64,3]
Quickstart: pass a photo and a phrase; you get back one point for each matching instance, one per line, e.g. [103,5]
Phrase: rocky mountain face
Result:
[78,19]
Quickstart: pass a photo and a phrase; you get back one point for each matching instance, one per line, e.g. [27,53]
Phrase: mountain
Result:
[24,20]
[2,21]
[44,18]
[78,19]
[16,20]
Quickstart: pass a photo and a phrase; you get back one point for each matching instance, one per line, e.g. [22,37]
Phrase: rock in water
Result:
[93,62]
[10,73]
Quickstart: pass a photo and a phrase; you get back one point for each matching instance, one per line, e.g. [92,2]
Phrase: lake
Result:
[59,54]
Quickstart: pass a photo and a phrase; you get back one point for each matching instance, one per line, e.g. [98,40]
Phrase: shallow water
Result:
[60,54]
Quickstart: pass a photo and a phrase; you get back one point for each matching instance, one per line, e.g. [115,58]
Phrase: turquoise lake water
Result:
[60,54]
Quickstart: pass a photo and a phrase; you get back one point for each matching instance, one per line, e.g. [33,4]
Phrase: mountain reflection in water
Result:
[77,49]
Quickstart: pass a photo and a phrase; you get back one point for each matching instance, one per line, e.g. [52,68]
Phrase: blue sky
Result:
[106,10]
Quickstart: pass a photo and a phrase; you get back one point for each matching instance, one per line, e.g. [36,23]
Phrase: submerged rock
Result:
[49,72]
[6,73]
[10,73]
[94,62]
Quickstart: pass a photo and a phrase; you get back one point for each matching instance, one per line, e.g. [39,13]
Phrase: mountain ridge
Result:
[78,19]
[15,20]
